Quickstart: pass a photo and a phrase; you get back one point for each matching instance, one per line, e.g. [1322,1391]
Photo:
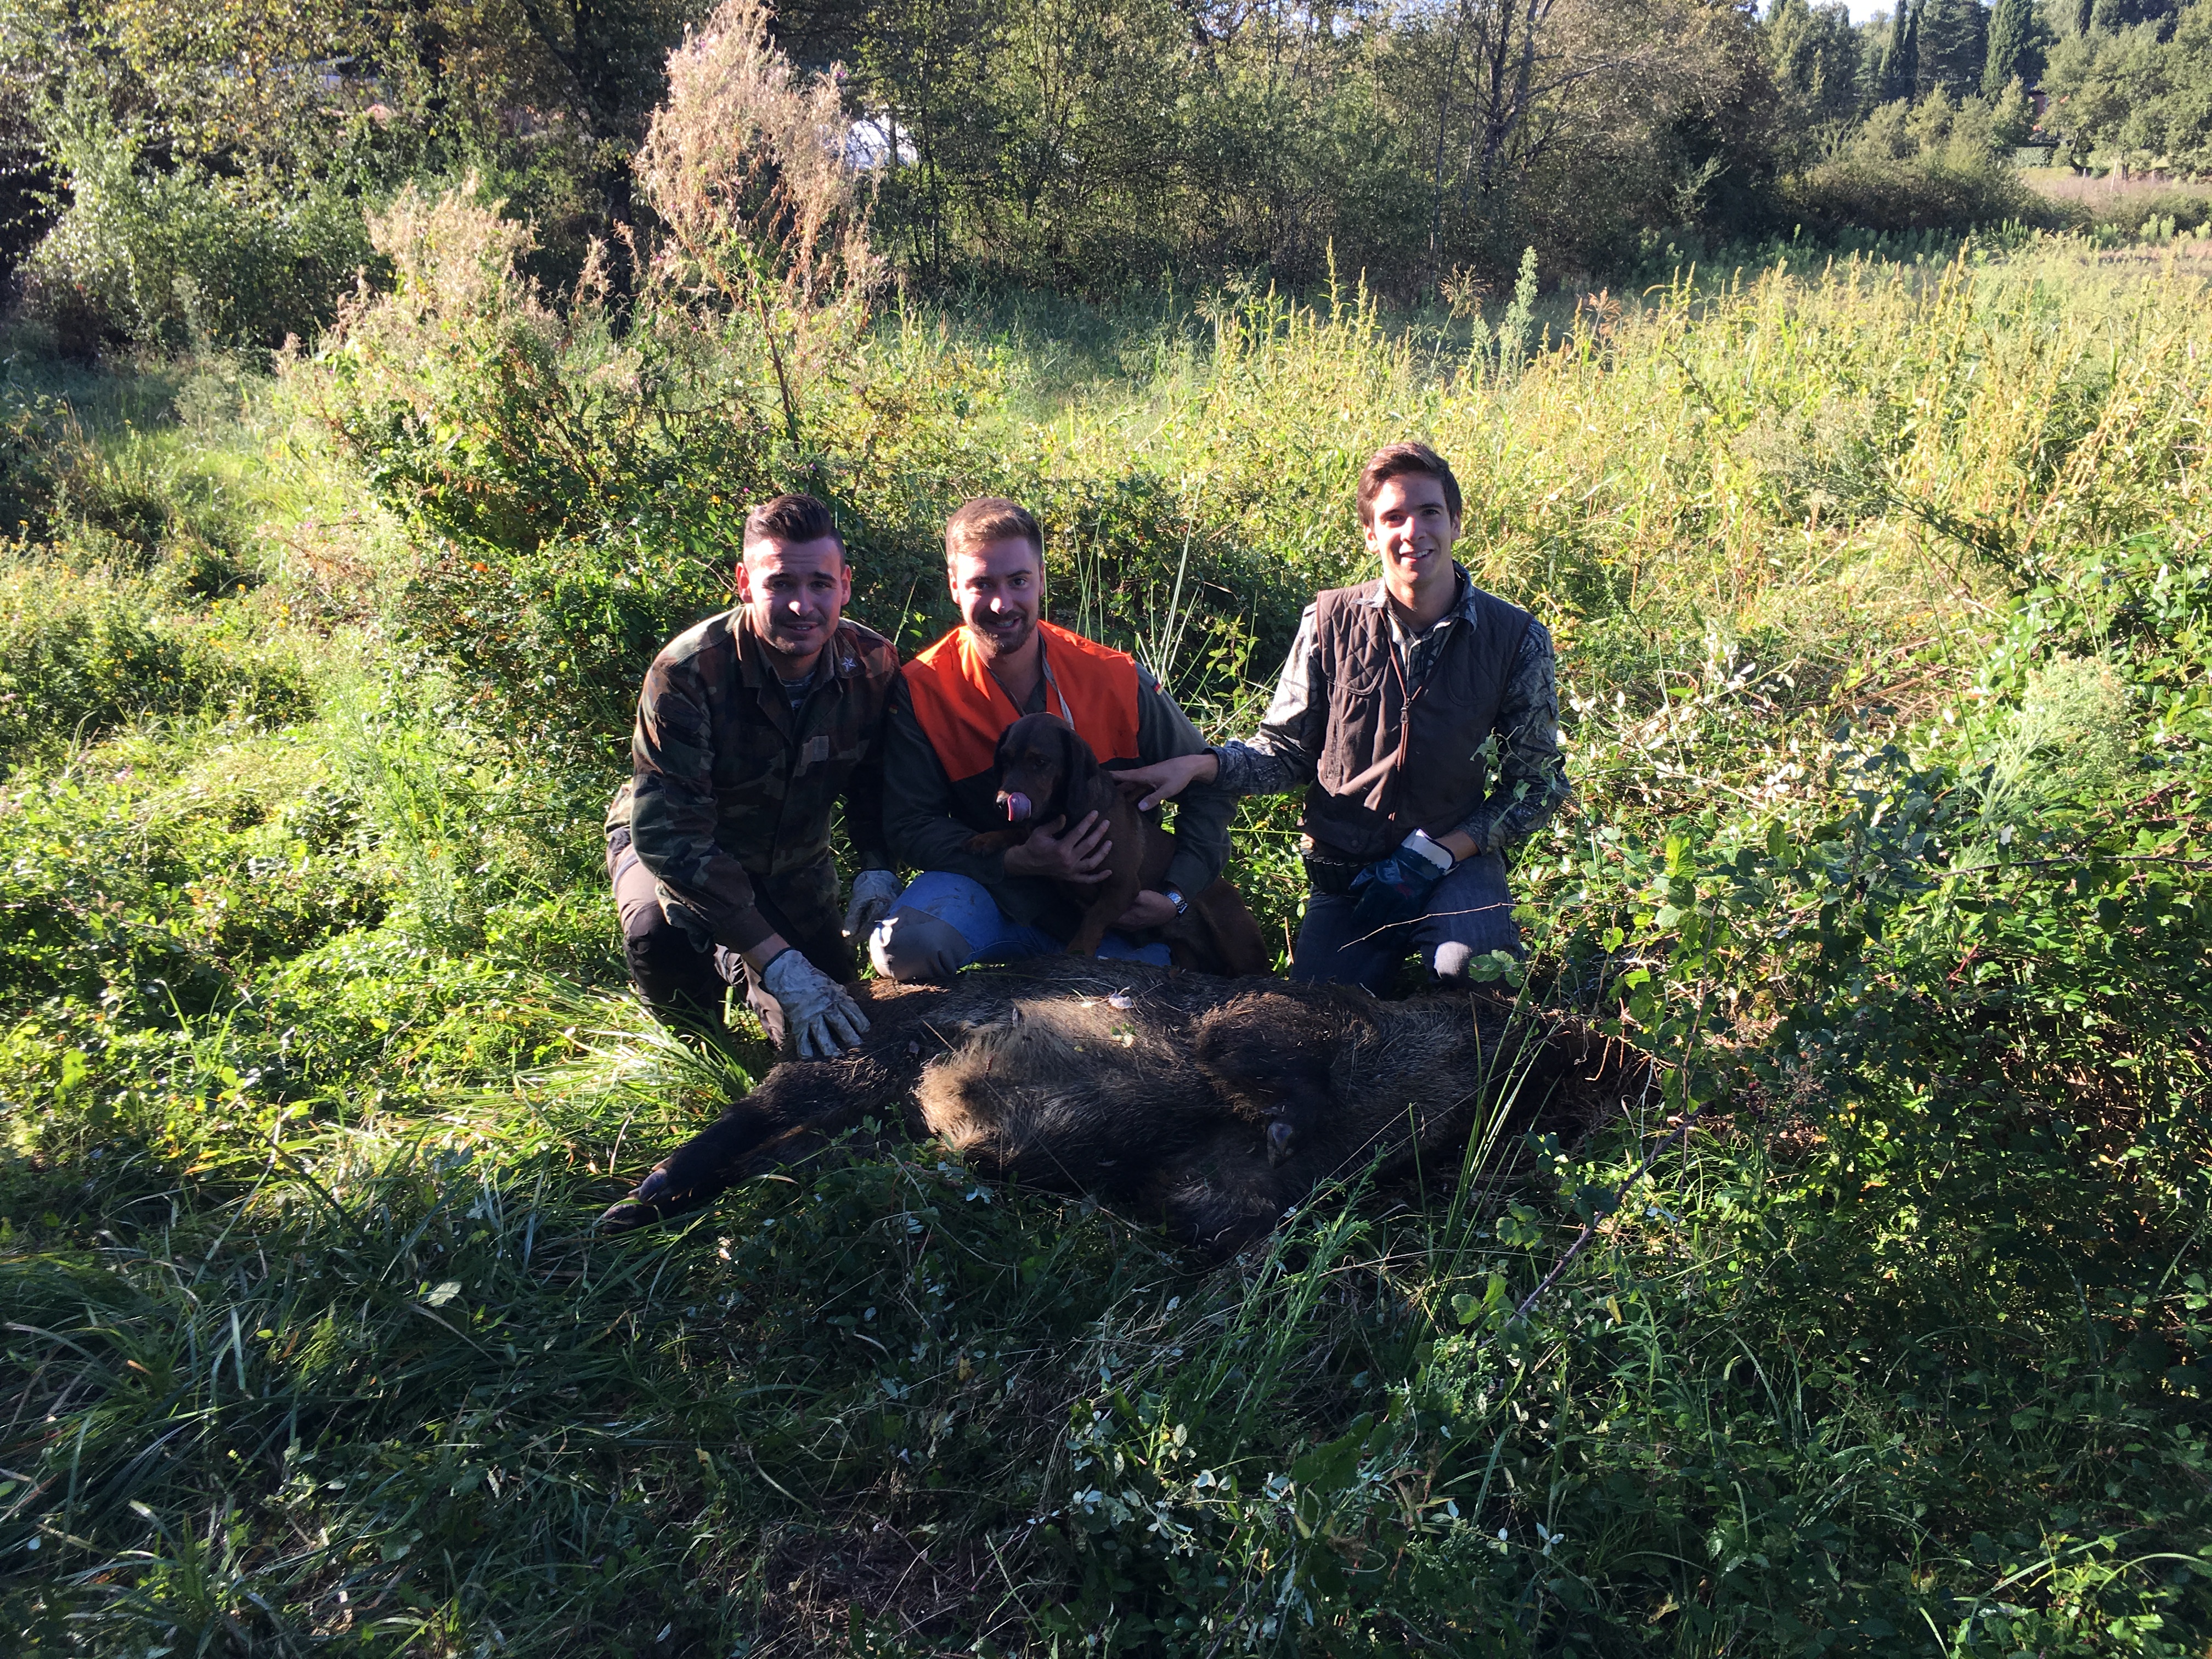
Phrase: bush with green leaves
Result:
[169,256]
[1937,163]
[581,493]
[84,653]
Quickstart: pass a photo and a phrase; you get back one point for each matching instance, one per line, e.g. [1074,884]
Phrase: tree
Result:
[1900,62]
[1953,42]
[2110,16]
[2015,47]
[1814,52]
[2151,99]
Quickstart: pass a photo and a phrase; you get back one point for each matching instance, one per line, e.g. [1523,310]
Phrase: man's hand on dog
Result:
[1165,779]
[1077,855]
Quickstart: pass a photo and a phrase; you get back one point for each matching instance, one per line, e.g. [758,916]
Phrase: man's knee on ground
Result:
[671,973]
[911,944]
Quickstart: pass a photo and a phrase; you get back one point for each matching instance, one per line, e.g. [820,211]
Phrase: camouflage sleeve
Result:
[1284,751]
[672,815]
[1532,773]
[919,828]
[1202,814]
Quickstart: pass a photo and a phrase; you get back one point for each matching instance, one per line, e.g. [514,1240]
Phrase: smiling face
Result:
[999,588]
[793,594]
[1411,529]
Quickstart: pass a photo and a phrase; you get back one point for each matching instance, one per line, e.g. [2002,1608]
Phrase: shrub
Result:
[1867,193]
[169,257]
[582,494]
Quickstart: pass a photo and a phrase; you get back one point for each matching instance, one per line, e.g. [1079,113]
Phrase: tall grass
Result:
[1881,599]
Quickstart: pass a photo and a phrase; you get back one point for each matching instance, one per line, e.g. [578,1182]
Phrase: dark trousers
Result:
[682,984]
[1469,914]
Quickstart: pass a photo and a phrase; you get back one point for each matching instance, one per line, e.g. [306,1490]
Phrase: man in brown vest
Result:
[947,710]
[1422,717]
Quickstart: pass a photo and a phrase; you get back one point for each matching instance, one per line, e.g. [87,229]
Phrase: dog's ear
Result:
[999,749]
[1083,778]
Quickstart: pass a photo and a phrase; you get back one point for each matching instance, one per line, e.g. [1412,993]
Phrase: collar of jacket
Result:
[1462,605]
[841,651]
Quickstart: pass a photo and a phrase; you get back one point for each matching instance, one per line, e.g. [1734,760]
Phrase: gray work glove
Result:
[818,1012]
[874,892]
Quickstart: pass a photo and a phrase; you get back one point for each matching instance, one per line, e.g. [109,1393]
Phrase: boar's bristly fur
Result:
[1213,1105]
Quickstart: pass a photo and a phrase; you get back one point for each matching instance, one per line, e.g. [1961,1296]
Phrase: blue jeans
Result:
[1469,914]
[910,942]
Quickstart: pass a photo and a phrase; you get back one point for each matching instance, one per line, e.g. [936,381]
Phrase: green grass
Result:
[1882,600]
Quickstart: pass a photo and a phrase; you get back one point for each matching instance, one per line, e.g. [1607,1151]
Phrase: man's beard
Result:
[1005,642]
[779,637]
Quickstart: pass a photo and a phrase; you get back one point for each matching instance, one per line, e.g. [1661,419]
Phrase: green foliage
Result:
[82,654]
[2018,40]
[1881,599]
[582,496]
[1818,55]
[176,258]
[2144,92]
[1920,165]
[1953,46]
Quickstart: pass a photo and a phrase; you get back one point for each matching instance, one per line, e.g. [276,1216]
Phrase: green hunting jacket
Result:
[729,787]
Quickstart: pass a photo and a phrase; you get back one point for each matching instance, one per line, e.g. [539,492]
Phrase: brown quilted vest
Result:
[1371,790]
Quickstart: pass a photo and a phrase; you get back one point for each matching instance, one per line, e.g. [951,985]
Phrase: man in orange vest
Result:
[947,710]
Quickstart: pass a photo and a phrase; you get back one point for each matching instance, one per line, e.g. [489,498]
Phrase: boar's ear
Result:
[1083,778]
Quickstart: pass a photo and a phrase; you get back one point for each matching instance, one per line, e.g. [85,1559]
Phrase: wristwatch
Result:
[1175,898]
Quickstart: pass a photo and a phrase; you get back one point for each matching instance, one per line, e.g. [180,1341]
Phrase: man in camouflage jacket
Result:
[750,726]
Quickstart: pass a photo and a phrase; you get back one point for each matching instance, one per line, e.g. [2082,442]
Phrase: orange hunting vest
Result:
[963,710]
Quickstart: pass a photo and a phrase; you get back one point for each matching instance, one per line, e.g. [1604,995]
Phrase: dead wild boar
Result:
[1213,1105]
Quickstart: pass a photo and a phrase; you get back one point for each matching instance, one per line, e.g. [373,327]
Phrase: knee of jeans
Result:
[911,944]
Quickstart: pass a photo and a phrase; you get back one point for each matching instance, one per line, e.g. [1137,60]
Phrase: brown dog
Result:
[1049,776]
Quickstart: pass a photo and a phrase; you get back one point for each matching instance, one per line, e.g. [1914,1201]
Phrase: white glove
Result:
[817,1010]
[874,892]
[1439,856]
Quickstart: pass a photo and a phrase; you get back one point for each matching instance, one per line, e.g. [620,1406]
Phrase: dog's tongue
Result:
[1018,805]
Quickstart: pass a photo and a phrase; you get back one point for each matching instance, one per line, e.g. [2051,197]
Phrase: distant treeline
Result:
[171,169]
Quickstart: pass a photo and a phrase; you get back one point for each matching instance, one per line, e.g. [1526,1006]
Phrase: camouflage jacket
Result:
[729,785]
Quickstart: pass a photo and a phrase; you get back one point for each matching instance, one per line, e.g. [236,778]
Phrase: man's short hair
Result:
[1396,461]
[792,519]
[990,519]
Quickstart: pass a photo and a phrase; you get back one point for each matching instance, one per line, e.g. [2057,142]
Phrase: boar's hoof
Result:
[652,1201]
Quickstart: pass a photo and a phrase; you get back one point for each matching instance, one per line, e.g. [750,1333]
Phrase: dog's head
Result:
[1046,771]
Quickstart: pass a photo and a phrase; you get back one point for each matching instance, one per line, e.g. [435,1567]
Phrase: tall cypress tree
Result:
[1900,65]
[1950,39]
[2013,47]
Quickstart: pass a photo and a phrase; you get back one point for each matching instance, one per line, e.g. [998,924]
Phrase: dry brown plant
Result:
[746,166]
[452,257]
